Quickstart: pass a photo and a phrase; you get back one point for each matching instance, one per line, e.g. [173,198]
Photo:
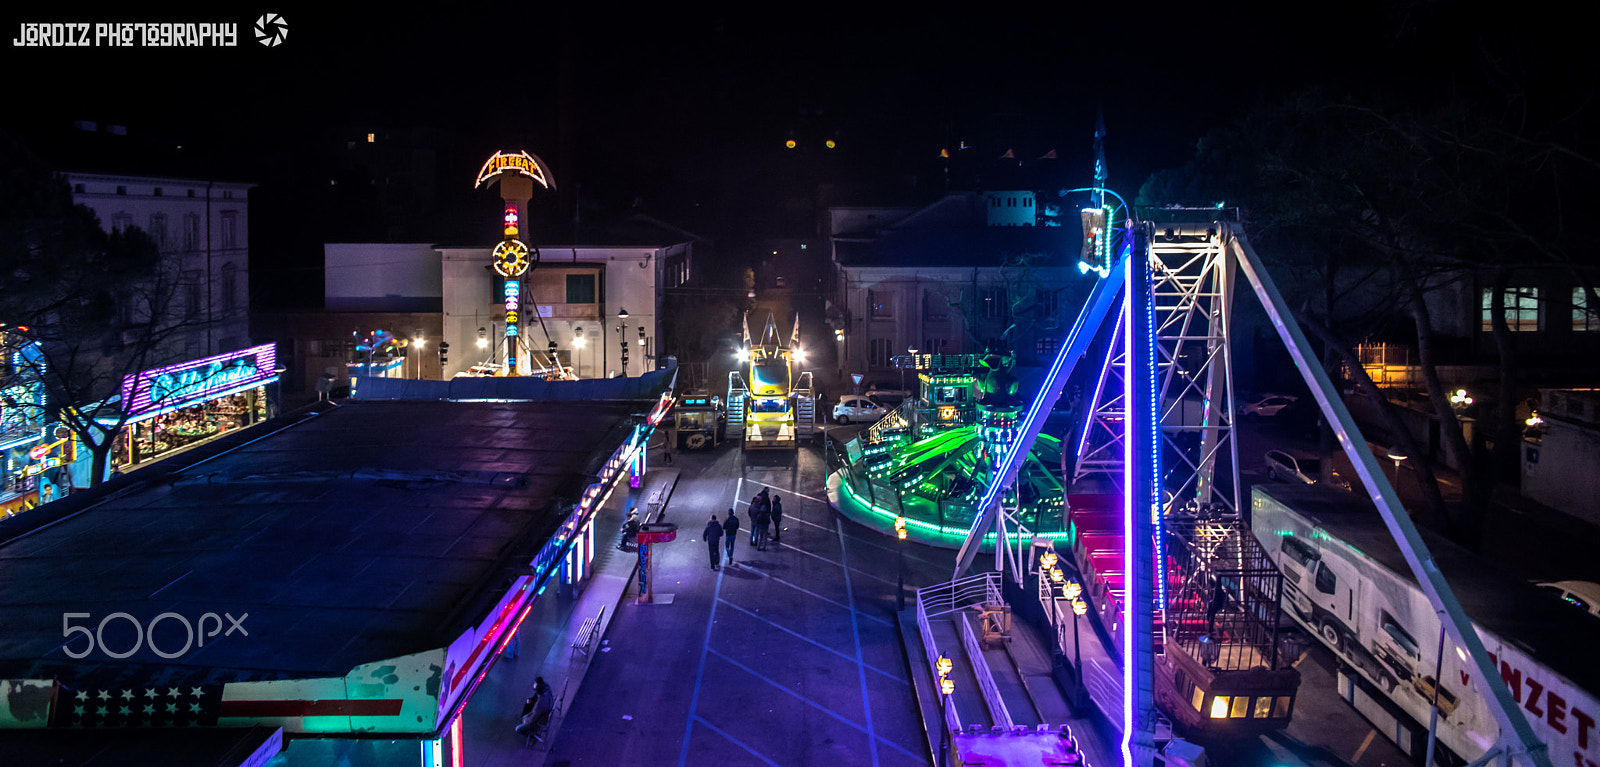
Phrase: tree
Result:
[1375,210]
[100,306]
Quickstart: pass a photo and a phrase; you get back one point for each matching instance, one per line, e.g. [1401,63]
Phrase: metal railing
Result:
[944,599]
[980,669]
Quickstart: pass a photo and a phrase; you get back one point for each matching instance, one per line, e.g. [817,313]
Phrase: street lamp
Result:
[1079,607]
[622,325]
[419,341]
[1397,457]
[900,566]
[483,338]
[947,687]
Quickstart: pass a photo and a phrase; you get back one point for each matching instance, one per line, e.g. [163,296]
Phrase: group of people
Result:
[766,510]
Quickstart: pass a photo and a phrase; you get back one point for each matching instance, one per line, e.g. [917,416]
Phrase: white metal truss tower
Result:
[1192,289]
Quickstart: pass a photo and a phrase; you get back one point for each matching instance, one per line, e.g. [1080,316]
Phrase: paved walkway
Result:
[789,657]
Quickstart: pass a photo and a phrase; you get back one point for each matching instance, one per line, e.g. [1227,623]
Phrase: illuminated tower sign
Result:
[512,258]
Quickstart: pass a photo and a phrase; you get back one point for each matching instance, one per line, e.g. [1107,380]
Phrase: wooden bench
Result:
[587,633]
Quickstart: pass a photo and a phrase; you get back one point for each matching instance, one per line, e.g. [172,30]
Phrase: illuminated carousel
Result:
[930,460]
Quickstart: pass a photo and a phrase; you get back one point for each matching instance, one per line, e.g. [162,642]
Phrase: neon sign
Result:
[513,299]
[511,218]
[521,163]
[143,394]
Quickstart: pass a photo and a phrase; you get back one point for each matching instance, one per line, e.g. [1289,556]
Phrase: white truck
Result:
[1346,582]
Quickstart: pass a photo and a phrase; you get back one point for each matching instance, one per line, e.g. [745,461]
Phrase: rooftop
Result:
[370,531]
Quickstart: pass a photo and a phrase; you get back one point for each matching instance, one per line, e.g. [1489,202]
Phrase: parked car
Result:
[856,408]
[1266,406]
[1282,466]
[1582,594]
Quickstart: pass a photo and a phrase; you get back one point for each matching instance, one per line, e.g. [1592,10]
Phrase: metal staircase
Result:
[805,407]
[737,394]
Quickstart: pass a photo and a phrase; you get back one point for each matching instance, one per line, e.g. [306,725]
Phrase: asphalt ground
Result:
[788,657]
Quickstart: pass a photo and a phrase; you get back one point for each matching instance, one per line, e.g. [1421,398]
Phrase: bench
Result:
[587,632]
[653,505]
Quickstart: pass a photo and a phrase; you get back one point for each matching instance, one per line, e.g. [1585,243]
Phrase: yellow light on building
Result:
[789,143]
[947,686]
[944,665]
[1219,707]
[900,528]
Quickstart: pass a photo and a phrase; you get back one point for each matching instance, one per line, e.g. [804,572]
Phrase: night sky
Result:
[683,113]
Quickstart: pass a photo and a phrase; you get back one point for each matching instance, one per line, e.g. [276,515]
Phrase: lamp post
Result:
[578,342]
[900,566]
[1047,571]
[1397,457]
[419,341]
[947,687]
[622,325]
[1079,607]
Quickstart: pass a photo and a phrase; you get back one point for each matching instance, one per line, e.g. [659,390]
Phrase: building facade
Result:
[202,229]
[964,274]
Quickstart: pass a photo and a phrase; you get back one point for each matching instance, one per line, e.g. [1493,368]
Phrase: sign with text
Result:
[163,389]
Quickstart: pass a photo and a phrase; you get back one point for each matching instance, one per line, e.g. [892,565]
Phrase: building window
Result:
[191,192]
[879,353]
[230,229]
[1049,301]
[1046,346]
[192,297]
[1522,309]
[881,304]
[120,222]
[933,345]
[122,190]
[158,191]
[991,303]
[580,289]
[1584,318]
[191,232]
[934,306]
[158,230]
[227,194]
[77,188]
[230,287]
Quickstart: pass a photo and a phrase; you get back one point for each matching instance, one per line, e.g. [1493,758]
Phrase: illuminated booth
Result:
[182,405]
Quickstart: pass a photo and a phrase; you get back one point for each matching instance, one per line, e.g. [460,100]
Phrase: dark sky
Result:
[672,86]
[686,110]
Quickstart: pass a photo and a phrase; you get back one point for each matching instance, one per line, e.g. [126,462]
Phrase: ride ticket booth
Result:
[183,405]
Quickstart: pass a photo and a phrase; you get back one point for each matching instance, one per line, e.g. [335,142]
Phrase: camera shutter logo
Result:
[271,29]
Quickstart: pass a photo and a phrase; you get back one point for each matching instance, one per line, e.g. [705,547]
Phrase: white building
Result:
[203,231]
[579,291]
[951,278]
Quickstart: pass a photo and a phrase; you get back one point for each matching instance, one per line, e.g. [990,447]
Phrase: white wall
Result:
[374,276]
[628,282]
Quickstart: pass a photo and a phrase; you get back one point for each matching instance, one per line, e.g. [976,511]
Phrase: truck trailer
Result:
[1346,582]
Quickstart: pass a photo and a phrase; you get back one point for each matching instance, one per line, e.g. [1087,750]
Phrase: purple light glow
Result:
[145,393]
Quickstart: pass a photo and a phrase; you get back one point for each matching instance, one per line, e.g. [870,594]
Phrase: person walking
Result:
[713,536]
[777,518]
[760,518]
[730,530]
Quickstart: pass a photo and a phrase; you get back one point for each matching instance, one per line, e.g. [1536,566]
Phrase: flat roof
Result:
[370,531]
